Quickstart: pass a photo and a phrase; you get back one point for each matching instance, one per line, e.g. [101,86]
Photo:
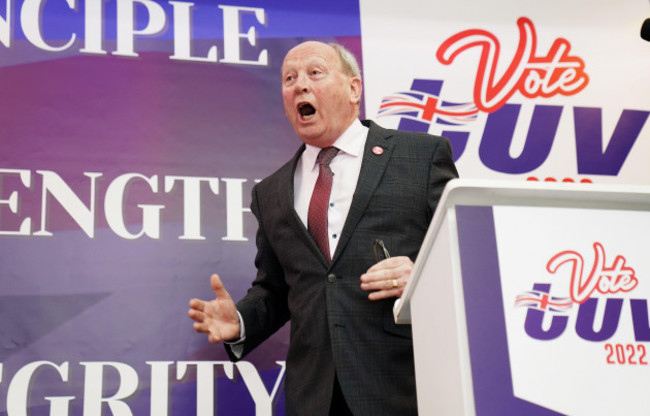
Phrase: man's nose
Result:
[302,83]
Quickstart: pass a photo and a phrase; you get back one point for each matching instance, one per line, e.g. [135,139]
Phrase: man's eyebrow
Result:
[284,69]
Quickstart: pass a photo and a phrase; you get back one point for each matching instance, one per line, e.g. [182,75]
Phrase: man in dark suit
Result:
[346,354]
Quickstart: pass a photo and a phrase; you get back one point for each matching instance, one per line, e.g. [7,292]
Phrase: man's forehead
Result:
[310,53]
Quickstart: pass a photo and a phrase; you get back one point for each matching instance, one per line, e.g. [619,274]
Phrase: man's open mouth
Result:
[306,111]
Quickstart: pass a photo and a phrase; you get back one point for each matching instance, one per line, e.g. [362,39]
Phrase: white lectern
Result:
[532,299]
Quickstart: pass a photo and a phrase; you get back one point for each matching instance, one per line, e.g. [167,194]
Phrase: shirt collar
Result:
[351,142]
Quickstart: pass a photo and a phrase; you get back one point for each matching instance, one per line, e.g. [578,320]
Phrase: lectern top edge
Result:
[491,192]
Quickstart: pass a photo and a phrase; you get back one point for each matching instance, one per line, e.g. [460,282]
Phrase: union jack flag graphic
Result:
[543,301]
[422,106]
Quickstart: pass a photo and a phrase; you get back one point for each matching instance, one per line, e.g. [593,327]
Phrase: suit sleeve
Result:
[264,309]
[441,171]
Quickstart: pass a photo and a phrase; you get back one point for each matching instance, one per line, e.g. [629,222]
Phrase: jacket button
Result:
[331,278]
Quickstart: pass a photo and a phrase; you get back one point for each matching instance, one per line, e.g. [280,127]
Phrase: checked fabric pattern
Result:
[317,215]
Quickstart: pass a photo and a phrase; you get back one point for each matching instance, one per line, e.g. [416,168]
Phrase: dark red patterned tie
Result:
[317,216]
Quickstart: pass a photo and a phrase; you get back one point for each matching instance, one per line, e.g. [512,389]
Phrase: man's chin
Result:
[309,134]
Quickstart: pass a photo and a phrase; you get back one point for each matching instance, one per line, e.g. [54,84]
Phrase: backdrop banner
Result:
[525,90]
[132,133]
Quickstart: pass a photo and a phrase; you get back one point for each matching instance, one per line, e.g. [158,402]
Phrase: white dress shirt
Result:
[345,166]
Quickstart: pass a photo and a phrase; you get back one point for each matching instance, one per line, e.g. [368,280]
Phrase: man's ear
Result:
[355,90]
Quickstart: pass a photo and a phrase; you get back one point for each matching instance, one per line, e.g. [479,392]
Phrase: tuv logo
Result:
[547,316]
[492,117]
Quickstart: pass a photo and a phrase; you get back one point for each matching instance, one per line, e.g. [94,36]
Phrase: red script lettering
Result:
[617,278]
[531,75]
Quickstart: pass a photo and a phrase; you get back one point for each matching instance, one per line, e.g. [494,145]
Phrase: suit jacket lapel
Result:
[372,170]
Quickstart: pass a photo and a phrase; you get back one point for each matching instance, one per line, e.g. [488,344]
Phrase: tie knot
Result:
[326,155]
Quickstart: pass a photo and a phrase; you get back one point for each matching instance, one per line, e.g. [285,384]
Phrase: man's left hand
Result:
[387,278]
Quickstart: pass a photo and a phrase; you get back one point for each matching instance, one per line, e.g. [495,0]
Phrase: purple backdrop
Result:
[71,297]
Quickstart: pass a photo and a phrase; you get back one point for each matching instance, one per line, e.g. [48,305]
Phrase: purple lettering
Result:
[640,319]
[494,150]
[534,319]
[586,317]
[592,160]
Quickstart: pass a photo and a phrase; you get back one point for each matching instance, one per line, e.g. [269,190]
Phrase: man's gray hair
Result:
[349,63]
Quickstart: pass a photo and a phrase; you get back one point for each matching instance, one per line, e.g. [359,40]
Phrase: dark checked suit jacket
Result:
[335,329]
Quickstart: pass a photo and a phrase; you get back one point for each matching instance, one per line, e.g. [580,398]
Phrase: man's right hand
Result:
[217,318]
